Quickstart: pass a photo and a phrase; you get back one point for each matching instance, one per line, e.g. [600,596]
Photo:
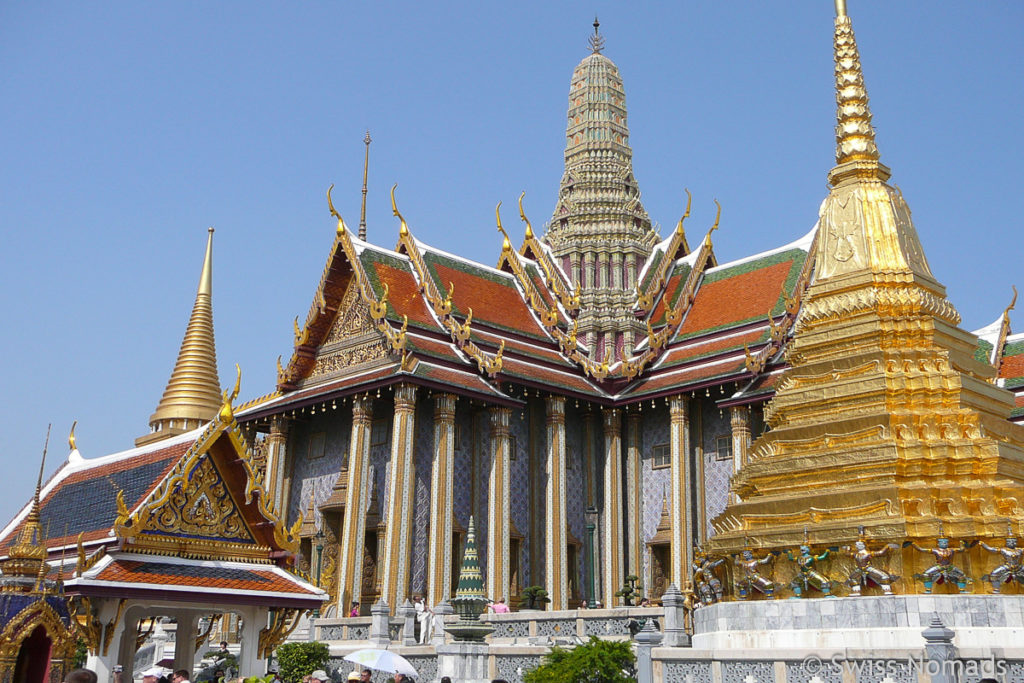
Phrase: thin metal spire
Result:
[596,40]
[366,165]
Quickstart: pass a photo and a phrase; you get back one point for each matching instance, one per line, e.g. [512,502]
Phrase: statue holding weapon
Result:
[1012,568]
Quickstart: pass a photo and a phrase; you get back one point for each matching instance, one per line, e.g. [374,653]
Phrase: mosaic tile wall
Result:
[655,482]
[317,450]
[380,451]
[520,493]
[575,490]
[423,454]
[717,473]
[463,452]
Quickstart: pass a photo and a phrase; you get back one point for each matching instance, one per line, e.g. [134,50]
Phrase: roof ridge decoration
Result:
[192,395]
[1004,332]
[780,333]
[490,364]
[657,341]
[310,334]
[555,279]
[200,502]
[676,249]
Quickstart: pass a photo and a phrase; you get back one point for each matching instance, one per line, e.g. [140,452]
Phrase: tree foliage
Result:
[598,661]
[296,660]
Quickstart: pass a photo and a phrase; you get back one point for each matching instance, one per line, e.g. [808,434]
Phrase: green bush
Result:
[598,661]
[533,597]
[296,660]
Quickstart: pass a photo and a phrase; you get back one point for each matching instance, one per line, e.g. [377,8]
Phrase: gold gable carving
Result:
[353,317]
[202,507]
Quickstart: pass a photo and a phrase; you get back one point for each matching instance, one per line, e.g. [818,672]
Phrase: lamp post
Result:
[591,516]
[318,547]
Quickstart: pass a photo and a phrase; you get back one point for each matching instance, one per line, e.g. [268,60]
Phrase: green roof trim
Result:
[656,258]
[983,352]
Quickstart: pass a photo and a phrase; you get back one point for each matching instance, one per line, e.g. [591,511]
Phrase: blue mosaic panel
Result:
[463,452]
[423,457]
[655,482]
[575,487]
[717,473]
[325,437]
[380,451]
[520,493]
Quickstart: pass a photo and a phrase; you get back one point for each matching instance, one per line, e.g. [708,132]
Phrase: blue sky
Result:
[128,128]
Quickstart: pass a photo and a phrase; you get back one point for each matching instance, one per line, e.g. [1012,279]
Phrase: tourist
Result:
[353,676]
[499,607]
[319,676]
[180,676]
[423,616]
[354,612]
[644,602]
[149,678]
[445,679]
[365,675]
[81,676]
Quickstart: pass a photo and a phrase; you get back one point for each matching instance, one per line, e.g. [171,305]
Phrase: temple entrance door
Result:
[660,563]
[33,662]
[368,592]
[514,552]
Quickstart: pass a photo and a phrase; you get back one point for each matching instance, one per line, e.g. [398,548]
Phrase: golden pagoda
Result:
[885,418]
[192,396]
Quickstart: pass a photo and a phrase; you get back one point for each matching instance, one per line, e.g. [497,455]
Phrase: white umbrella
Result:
[382,660]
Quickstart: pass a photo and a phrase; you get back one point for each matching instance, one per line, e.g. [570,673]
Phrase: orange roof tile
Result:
[736,299]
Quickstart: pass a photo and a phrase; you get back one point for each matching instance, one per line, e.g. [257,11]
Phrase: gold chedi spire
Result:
[27,556]
[193,394]
[884,420]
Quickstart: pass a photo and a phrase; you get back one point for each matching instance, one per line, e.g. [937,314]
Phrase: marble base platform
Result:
[884,621]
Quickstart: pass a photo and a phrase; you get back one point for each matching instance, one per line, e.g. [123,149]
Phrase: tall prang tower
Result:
[600,233]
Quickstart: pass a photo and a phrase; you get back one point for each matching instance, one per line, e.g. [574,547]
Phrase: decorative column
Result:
[353,530]
[439,555]
[611,569]
[740,421]
[556,580]
[277,441]
[679,411]
[498,504]
[634,494]
[398,535]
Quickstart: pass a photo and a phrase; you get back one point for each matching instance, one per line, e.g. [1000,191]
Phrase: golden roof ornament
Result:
[27,556]
[193,394]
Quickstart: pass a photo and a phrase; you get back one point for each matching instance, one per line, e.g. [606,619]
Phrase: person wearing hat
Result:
[320,676]
[353,676]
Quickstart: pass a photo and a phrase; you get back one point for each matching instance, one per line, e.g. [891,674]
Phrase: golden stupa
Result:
[885,422]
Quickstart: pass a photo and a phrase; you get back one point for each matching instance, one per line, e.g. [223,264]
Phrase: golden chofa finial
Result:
[71,436]
[506,244]
[522,215]
[330,205]
[404,230]
[686,214]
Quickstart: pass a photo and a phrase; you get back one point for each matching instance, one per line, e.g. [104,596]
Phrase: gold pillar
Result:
[498,504]
[439,556]
[679,411]
[556,580]
[277,442]
[611,569]
[353,530]
[634,493]
[398,536]
[740,421]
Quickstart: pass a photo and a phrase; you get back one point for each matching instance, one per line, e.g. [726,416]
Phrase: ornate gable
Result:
[353,339]
[211,504]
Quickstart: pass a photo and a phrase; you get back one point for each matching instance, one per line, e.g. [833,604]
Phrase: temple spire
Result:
[366,165]
[193,394]
[27,556]
[856,151]
[597,40]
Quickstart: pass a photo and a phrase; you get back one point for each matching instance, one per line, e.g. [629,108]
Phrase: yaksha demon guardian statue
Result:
[750,578]
[865,571]
[1011,569]
[708,587]
[943,570]
[809,577]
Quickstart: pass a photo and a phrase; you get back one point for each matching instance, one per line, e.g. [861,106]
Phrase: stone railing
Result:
[569,626]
